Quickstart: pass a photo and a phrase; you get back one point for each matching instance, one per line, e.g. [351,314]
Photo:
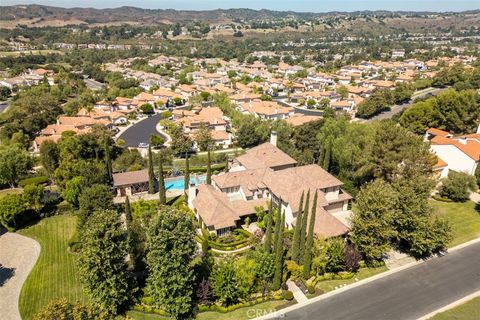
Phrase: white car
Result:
[143,145]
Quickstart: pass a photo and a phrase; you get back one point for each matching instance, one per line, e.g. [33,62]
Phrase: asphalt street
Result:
[407,294]
[141,131]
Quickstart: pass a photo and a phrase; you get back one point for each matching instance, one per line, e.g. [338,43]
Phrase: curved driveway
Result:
[18,255]
[141,131]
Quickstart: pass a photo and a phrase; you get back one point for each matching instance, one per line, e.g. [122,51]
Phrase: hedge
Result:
[34,180]
[442,199]
[224,246]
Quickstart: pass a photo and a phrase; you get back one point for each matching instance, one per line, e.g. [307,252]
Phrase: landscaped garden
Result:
[55,274]
[464,217]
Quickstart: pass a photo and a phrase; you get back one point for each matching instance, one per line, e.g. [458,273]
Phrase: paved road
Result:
[407,294]
[4,105]
[18,255]
[141,131]
[93,84]
[399,108]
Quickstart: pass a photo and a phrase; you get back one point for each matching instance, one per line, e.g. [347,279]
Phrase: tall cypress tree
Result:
[327,155]
[297,232]
[187,176]
[209,168]
[268,231]
[128,211]
[303,233]
[108,160]
[151,177]
[279,251]
[307,257]
[161,183]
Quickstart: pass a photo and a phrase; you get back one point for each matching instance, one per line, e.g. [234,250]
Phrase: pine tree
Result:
[279,251]
[303,233]
[307,257]
[268,231]
[297,232]
[151,177]
[161,183]
[187,176]
[128,211]
[209,168]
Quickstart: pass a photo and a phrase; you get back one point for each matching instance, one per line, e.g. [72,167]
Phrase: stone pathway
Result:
[18,255]
[475,197]
[297,293]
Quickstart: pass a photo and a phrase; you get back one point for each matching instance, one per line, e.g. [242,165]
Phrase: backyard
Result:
[54,276]
[464,218]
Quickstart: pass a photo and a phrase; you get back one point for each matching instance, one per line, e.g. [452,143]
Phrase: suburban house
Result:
[266,109]
[266,173]
[130,183]
[460,153]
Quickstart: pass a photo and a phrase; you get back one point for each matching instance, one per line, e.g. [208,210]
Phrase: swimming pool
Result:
[178,183]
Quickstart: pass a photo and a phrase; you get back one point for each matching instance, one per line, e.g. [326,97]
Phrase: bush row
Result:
[34,180]
[224,246]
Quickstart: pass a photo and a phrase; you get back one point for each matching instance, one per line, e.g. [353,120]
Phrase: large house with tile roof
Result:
[266,173]
[459,153]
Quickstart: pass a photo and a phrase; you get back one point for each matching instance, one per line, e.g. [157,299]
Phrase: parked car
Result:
[143,145]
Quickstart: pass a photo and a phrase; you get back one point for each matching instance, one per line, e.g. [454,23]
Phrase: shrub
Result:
[288,295]
[35,180]
[457,186]
[310,289]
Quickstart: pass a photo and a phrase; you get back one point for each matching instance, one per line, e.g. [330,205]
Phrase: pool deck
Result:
[146,196]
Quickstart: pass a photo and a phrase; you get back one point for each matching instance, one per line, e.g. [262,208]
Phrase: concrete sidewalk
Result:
[297,293]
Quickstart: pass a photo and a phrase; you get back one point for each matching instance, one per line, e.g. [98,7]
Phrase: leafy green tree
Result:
[335,256]
[49,157]
[156,141]
[72,191]
[171,249]
[297,232]
[63,310]
[181,143]
[245,268]
[101,261]
[308,252]
[95,197]
[458,186]
[151,175]
[343,92]
[373,218]
[225,283]
[11,207]
[204,138]
[14,163]
[128,160]
[33,195]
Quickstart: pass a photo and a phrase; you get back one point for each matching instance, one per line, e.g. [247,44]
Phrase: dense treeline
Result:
[382,99]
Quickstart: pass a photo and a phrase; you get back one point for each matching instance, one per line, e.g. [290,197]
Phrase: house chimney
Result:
[463,140]
[478,128]
[273,138]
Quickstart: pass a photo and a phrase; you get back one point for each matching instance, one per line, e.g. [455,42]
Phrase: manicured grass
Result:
[239,314]
[467,311]
[463,217]
[329,285]
[54,275]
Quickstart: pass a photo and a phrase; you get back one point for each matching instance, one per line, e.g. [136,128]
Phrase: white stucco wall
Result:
[456,159]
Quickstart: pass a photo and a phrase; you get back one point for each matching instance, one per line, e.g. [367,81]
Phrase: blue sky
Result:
[296,5]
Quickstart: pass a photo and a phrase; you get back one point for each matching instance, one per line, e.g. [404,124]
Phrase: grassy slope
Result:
[464,218]
[54,275]
[467,311]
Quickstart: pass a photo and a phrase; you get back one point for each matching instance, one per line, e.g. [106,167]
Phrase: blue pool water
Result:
[179,182]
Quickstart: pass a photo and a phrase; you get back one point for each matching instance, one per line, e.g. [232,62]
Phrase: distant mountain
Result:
[24,13]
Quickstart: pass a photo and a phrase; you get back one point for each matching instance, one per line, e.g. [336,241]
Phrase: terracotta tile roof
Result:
[471,147]
[327,225]
[438,132]
[128,178]
[267,108]
[298,119]
[265,155]
[440,164]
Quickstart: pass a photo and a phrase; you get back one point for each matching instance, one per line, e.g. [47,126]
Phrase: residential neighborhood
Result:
[303,161]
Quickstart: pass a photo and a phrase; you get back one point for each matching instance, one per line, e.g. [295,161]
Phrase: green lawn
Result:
[363,273]
[463,217]
[467,311]
[54,275]
[239,314]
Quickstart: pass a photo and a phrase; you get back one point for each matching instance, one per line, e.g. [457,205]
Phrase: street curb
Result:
[451,305]
[281,313]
